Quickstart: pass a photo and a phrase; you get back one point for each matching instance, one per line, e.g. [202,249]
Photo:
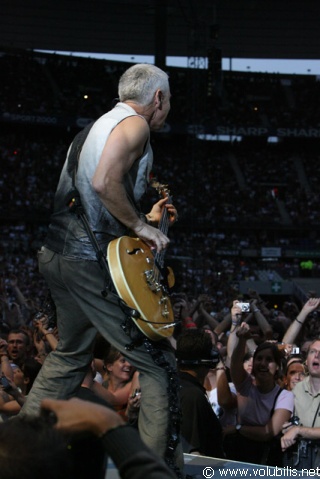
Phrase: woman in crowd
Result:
[13,392]
[263,406]
[295,372]
[122,381]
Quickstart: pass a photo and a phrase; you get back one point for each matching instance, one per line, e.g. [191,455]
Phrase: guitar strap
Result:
[75,206]
[74,203]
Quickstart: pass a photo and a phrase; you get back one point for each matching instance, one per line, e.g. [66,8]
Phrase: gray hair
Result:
[140,82]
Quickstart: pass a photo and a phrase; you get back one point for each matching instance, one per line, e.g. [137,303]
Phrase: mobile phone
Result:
[5,384]
[136,393]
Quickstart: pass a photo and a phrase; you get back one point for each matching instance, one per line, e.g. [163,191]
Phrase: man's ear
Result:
[159,97]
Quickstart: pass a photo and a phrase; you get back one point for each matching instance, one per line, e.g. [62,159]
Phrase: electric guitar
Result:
[142,281]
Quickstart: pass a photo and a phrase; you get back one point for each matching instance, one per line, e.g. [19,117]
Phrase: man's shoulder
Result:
[191,390]
[302,387]
[190,383]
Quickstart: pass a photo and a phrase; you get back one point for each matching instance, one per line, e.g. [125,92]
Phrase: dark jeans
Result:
[76,287]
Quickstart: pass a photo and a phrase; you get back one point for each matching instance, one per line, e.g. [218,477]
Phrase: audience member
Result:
[306,405]
[295,372]
[19,346]
[122,381]
[263,406]
[222,395]
[14,392]
[295,328]
[200,428]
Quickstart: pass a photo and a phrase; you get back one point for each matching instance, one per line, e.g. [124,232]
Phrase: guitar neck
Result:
[165,220]
[163,227]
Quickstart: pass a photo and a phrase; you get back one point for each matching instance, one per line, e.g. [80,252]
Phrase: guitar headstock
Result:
[162,189]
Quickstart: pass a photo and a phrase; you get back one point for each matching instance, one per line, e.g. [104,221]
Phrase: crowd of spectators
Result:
[236,186]
[26,339]
[270,100]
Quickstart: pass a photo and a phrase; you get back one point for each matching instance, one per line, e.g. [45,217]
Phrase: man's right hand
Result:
[76,415]
[153,237]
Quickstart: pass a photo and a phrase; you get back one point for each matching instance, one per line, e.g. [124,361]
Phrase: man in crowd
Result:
[307,406]
[200,428]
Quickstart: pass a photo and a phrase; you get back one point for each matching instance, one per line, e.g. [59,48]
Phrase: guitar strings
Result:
[159,256]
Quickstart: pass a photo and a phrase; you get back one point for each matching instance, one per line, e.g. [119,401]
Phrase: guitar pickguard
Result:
[138,282]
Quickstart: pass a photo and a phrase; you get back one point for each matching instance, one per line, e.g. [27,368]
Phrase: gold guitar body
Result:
[132,269]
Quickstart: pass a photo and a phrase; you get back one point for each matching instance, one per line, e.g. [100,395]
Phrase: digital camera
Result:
[245,307]
[295,420]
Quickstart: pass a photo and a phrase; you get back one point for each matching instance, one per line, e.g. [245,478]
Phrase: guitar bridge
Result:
[151,281]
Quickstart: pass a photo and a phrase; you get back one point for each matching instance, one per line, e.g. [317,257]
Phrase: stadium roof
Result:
[287,29]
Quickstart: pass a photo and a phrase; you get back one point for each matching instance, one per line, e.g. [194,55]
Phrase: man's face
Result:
[313,359]
[17,346]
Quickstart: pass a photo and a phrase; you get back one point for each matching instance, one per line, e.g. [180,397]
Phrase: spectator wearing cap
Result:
[200,428]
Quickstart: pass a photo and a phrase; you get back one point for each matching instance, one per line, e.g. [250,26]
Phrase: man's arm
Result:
[296,325]
[242,333]
[261,320]
[270,430]
[290,436]
[131,456]
[6,368]
[124,146]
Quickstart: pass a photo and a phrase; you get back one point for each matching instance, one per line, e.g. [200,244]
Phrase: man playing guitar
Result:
[110,176]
